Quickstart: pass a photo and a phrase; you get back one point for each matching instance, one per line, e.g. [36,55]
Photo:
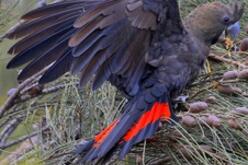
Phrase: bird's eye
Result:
[226,19]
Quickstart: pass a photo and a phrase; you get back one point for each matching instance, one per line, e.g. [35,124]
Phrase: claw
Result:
[182,99]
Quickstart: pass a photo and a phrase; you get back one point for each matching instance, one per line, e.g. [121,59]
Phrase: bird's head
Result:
[208,21]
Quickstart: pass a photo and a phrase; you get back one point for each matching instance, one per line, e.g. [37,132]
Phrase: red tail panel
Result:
[128,130]
[157,112]
[99,138]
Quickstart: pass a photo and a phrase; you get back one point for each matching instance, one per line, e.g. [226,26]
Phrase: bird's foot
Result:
[178,101]
[181,99]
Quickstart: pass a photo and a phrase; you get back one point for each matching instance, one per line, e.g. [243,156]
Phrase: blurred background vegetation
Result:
[46,122]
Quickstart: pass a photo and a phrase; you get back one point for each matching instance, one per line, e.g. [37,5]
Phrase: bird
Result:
[142,47]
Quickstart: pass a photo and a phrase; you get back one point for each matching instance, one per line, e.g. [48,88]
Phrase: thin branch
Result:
[45,91]
[7,131]
[21,139]
[11,100]
[229,61]
[160,161]
[8,120]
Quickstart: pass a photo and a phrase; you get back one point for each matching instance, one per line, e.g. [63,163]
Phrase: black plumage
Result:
[140,46]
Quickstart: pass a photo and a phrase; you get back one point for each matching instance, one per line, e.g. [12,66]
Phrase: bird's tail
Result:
[131,128]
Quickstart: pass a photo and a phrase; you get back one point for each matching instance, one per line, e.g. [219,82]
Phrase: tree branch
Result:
[11,100]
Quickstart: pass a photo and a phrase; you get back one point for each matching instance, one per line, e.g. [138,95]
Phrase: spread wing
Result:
[105,38]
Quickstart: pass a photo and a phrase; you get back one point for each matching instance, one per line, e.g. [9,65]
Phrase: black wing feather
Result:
[59,68]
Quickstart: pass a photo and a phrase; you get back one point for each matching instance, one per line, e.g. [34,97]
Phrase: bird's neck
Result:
[203,33]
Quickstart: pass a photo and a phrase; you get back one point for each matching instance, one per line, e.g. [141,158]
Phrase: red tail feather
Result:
[99,138]
[157,112]
[131,128]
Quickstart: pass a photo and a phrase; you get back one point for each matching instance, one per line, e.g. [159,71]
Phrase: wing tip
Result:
[72,43]
[12,64]
[9,66]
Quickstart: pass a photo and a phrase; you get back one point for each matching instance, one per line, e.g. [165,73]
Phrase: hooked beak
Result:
[233,31]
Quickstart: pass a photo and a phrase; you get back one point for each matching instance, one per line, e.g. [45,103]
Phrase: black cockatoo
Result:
[140,46]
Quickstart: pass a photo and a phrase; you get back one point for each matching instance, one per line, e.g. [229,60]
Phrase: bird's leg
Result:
[181,99]
[174,119]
